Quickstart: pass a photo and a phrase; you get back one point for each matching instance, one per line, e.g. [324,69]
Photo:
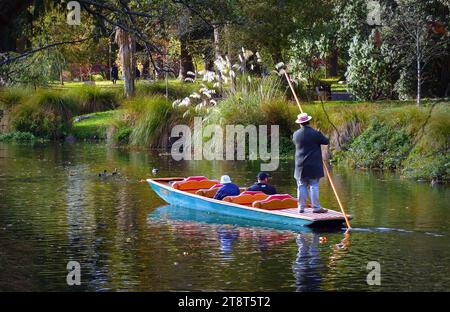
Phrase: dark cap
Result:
[262,176]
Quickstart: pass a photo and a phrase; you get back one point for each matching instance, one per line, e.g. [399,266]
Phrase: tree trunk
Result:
[229,46]
[124,41]
[146,69]
[216,42]
[108,75]
[133,56]
[419,84]
[186,63]
[332,63]
[419,72]
[209,63]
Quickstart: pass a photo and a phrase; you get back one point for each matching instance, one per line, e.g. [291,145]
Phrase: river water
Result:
[54,208]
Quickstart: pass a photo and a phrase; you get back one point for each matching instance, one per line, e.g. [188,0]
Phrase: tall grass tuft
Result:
[93,99]
[10,97]
[147,117]
[251,102]
[46,114]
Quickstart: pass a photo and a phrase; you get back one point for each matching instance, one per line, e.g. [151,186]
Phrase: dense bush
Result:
[380,146]
[19,137]
[369,71]
[46,114]
[406,85]
[430,157]
[428,166]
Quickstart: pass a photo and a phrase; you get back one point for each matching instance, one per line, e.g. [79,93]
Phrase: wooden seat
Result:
[277,202]
[246,197]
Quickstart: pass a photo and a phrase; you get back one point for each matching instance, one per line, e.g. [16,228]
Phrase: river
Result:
[54,208]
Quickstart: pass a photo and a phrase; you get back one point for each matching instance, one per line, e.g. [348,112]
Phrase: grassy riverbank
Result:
[385,135]
[390,135]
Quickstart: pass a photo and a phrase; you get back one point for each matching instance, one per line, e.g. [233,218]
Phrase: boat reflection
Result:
[228,230]
[308,267]
[176,213]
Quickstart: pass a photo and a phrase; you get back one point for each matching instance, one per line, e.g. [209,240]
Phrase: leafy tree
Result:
[369,72]
[408,32]
[350,20]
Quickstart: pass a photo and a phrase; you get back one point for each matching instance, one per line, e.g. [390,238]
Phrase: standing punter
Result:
[308,163]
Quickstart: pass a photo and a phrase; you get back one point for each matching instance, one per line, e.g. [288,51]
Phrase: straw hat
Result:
[302,118]
[225,179]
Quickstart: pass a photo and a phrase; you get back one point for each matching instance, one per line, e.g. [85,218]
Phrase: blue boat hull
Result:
[186,214]
[184,199]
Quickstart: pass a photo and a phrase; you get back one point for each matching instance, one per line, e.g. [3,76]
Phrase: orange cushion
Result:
[276,202]
[195,178]
[209,192]
[246,198]
[192,185]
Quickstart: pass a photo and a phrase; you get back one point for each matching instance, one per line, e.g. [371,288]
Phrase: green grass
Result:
[96,127]
[77,84]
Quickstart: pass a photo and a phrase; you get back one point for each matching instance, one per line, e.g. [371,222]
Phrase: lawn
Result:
[95,127]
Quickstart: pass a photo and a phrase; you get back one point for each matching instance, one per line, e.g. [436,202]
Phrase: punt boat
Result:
[278,210]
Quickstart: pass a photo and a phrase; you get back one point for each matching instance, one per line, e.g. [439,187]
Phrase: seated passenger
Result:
[262,185]
[227,188]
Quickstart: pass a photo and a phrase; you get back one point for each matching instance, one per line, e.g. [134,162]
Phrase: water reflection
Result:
[306,266]
[125,240]
[228,230]
[227,237]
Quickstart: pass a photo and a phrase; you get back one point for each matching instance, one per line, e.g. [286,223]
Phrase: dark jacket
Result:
[262,187]
[308,155]
[228,189]
[114,72]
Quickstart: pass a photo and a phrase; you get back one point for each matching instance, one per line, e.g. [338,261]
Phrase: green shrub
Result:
[94,99]
[236,109]
[122,135]
[369,70]
[430,157]
[20,137]
[429,166]
[46,114]
[380,146]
